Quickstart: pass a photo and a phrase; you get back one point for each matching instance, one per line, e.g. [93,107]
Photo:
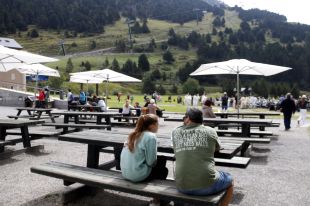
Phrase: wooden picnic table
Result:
[34,113]
[84,108]
[76,115]
[97,140]
[261,115]
[22,124]
[245,123]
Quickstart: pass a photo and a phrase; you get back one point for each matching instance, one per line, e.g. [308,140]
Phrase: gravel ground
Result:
[277,174]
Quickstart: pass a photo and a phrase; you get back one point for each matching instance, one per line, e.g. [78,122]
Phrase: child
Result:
[139,161]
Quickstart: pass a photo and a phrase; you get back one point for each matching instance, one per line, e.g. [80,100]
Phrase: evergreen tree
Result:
[161,90]
[148,86]
[92,45]
[34,33]
[87,66]
[145,28]
[191,86]
[69,67]
[174,89]
[168,57]
[106,63]
[115,65]
[143,63]
[155,75]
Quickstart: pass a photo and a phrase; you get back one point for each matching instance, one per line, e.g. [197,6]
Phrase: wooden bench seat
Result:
[162,189]
[262,140]
[239,162]
[78,126]
[274,124]
[20,116]
[35,134]
[238,133]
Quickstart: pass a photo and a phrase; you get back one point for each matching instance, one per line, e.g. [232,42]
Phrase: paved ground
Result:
[277,175]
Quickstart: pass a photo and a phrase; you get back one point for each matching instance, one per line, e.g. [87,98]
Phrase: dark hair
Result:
[143,124]
[208,103]
[69,90]
[195,115]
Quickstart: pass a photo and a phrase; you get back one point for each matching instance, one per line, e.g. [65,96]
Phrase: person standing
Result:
[288,108]
[46,97]
[203,98]
[194,145]
[69,99]
[302,105]
[195,100]
[41,99]
[188,101]
[224,102]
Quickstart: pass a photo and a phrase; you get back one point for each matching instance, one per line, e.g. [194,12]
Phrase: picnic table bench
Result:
[92,176]
[6,124]
[77,127]
[162,189]
[33,113]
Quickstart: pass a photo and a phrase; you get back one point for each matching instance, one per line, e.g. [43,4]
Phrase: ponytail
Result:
[143,124]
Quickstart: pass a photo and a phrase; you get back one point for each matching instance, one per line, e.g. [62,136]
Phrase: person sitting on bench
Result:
[139,160]
[102,105]
[207,110]
[194,145]
[126,108]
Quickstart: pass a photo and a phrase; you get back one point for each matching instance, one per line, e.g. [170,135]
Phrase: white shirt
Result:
[69,96]
[102,105]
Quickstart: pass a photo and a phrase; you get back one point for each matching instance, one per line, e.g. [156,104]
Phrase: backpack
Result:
[82,97]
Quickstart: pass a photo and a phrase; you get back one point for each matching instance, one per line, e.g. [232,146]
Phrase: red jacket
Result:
[41,96]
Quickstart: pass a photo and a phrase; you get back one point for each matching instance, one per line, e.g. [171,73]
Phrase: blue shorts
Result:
[223,182]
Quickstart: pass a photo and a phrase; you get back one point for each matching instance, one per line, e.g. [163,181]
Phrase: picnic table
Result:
[76,115]
[261,115]
[245,123]
[97,140]
[84,108]
[33,113]
[10,124]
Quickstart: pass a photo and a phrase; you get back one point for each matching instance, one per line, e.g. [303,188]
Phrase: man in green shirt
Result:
[194,146]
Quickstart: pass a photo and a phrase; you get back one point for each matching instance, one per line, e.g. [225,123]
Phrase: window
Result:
[13,77]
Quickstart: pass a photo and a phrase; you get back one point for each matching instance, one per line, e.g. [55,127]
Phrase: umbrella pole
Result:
[106,91]
[238,94]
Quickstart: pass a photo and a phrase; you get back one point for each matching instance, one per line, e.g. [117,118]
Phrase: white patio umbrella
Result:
[85,79]
[239,67]
[11,58]
[37,70]
[106,75]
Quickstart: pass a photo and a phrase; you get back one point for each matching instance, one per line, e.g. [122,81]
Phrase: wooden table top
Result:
[223,120]
[248,113]
[13,122]
[93,137]
[86,113]
[34,109]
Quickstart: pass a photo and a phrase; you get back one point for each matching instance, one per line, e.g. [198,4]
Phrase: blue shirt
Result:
[136,166]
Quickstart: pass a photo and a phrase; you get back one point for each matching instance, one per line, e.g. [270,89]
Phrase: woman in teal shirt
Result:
[139,159]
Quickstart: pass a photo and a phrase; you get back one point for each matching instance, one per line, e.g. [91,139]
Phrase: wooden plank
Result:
[90,126]
[238,132]
[104,139]
[163,189]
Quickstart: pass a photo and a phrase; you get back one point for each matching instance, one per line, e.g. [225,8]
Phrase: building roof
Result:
[10,43]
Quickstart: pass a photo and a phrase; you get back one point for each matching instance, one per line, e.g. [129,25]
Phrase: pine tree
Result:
[168,57]
[143,63]
[115,65]
[69,66]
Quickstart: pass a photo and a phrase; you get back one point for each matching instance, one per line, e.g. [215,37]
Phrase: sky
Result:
[294,10]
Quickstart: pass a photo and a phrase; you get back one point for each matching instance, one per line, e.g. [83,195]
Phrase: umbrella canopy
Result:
[85,79]
[11,58]
[239,67]
[38,69]
[106,75]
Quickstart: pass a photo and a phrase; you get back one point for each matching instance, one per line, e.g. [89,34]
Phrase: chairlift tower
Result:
[129,23]
[61,43]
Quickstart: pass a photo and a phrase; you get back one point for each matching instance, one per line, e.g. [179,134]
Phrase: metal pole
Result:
[238,92]
[106,91]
